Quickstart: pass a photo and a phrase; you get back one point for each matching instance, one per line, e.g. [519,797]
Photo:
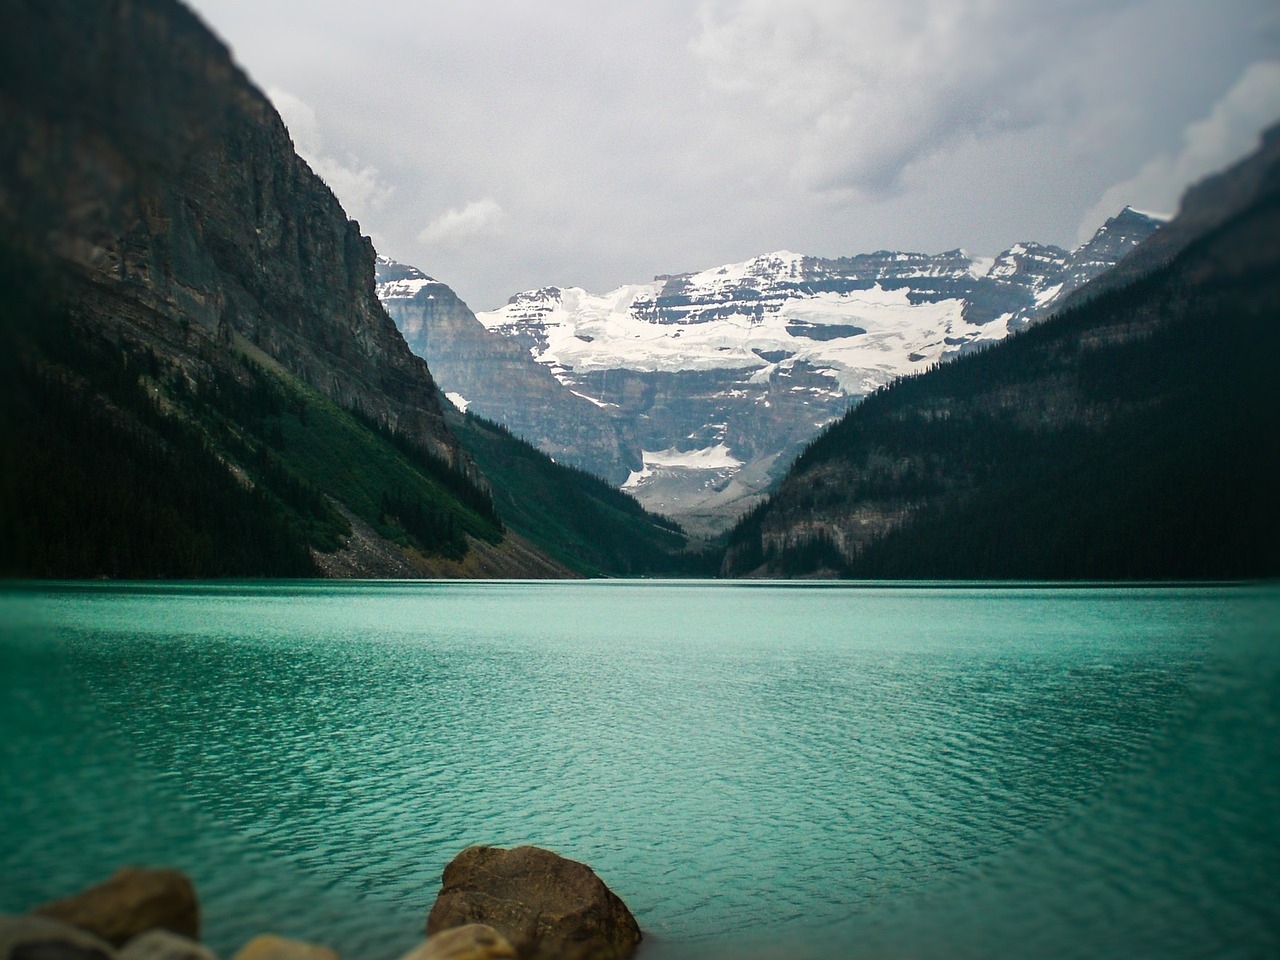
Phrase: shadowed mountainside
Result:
[1133,435]
[199,379]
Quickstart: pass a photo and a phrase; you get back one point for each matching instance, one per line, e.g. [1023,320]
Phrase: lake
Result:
[757,769]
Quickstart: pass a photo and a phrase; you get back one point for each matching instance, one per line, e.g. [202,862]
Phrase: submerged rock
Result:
[131,901]
[268,946]
[549,907]
[164,945]
[40,938]
[475,941]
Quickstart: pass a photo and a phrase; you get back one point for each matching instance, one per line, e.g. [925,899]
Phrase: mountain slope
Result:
[1131,436]
[576,517]
[198,378]
[496,378]
[722,376]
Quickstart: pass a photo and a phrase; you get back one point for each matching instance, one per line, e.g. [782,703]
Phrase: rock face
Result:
[550,908]
[188,312]
[40,938]
[148,160]
[490,375]
[131,901]
[713,381]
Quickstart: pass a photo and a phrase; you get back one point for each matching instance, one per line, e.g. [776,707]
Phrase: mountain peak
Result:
[1133,214]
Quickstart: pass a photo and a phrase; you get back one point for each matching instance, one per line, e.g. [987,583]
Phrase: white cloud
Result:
[481,218]
[358,187]
[1227,133]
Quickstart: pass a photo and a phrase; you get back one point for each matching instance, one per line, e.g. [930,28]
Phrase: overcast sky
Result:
[502,146]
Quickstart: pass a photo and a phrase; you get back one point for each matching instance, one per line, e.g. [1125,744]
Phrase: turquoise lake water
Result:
[758,770]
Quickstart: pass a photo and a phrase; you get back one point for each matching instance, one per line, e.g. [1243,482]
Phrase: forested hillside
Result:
[1136,435]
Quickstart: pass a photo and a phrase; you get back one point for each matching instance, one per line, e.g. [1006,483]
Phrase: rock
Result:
[475,941]
[550,908]
[268,946]
[132,901]
[164,945]
[40,938]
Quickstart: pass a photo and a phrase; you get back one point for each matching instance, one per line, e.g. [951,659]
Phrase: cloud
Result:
[358,187]
[861,90]
[1229,131]
[458,226]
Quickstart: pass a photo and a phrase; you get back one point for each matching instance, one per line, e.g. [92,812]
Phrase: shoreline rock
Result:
[547,906]
[474,941]
[525,903]
[131,901]
[42,938]
[159,944]
[269,946]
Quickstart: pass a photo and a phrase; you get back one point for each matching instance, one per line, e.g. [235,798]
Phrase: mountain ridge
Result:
[704,385]
[199,379]
[1132,435]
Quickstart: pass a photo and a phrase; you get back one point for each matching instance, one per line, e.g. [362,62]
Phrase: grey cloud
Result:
[626,139]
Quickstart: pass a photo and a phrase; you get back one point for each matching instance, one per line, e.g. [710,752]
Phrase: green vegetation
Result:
[1136,436]
[98,481]
[122,462]
[575,516]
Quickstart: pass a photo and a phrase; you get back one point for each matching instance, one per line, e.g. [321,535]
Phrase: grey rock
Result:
[40,938]
[165,945]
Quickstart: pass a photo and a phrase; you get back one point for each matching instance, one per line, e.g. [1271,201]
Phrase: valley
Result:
[695,392]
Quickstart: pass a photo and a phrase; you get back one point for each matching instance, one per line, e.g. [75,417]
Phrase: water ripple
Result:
[731,760]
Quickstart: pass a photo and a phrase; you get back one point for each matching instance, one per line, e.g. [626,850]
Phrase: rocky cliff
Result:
[198,378]
[134,149]
[496,378]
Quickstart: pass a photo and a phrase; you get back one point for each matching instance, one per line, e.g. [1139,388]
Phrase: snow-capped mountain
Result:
[728,372]
[488,374]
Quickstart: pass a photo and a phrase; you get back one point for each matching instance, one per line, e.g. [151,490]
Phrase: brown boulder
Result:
[550,908]
[131,901]
[475,941]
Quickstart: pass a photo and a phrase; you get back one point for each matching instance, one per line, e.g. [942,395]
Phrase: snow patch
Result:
[706,458]
[979,267]
[1044,296]
[459,401]
[575,332]
[403,289]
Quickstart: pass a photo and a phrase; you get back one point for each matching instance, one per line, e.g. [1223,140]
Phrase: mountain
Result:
[712,382]
[576,517]
[495,378]
[196,376]
[1134,434]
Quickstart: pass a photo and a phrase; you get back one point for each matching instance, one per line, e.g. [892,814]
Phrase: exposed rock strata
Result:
[150,162]
[499,380]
